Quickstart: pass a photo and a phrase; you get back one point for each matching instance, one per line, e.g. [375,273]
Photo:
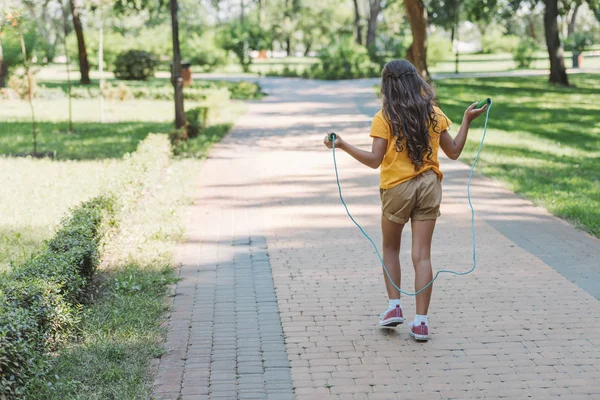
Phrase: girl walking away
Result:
[407,133]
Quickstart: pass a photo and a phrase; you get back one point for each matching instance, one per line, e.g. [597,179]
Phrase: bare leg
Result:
[392,233]
[422,233]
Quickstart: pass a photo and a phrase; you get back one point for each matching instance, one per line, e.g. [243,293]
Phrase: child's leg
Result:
[392,234]
[422,233]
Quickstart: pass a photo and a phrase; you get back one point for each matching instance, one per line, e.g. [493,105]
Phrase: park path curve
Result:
[280,294]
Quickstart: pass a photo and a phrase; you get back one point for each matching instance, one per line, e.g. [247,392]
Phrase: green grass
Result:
[37,193]
[120,331]
[35,196]
[543,141]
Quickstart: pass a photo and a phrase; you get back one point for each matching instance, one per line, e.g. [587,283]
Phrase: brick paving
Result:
[280,293]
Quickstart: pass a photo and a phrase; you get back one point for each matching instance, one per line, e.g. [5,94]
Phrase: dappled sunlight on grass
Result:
[543,141]
[35,196]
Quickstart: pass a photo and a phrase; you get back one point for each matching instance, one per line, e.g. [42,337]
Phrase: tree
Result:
[176,70]
[374,10]
[3,66]
[84,66]
[417,52]
[14,17]
[357,23]
[558,73]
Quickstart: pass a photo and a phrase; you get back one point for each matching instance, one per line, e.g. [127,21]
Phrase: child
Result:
[407,133]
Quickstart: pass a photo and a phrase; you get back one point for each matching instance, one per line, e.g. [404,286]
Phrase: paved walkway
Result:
[280,293]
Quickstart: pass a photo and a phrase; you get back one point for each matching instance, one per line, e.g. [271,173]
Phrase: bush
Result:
[498,43]
[121,92]
[135,65]
[524,53]
[38,299]
[202,52]
[438,48]
[11,45]
[344,59]
[19,83]
[195,120]
[579,42]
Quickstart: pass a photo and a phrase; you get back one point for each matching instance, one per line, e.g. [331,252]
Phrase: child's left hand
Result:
[327,142]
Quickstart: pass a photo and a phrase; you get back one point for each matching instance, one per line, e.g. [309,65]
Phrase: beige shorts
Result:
[418,199]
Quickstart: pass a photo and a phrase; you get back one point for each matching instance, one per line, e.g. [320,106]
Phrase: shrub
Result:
[135,65]
[19,83]
[195,120]
[438,48]
[579,42]
[38,299]
[121,92]
[202,52]
[498,43]
[344,59]
[524,53]
[241,39]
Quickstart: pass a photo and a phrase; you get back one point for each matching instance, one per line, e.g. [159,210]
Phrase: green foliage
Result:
[39,299]
[202,52]
[135,65]
[241,39]
[438,49]
[524,53]
[579,42]
[11,45]
[155,90]
[344,59]
[196,120]
[496,42]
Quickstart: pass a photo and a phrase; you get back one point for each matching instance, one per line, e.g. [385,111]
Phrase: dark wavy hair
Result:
[408,107]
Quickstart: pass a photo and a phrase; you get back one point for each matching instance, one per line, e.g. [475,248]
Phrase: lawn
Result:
[37,193]
[543,141]
[119,332]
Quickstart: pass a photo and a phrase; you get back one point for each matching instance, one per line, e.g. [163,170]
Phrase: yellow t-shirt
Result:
[396,166]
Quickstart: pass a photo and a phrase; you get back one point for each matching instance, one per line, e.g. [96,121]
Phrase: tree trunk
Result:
[84,66]
[307,45]
[572,20]
[531,24]
[417,52]
[558,74]
[3,67]
[357,25]
[288,46]
[374,10]
[176,70]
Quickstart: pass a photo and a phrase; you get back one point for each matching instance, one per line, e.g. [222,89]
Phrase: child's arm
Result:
[371,158]
[454,147]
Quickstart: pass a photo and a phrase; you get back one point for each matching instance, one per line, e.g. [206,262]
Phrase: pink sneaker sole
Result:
[392,321]
[423,336]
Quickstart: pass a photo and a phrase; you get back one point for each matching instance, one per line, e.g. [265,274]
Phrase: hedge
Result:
[40,300]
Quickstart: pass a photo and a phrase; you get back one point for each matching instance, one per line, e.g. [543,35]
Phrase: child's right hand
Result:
[328,144]
[472,113]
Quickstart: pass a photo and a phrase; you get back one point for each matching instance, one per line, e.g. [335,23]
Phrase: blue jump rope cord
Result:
[337,178]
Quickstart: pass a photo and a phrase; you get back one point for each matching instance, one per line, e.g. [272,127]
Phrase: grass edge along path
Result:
[118,328]
[543,141]
[120,332]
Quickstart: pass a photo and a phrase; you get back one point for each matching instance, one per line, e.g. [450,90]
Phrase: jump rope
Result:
[332,137]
